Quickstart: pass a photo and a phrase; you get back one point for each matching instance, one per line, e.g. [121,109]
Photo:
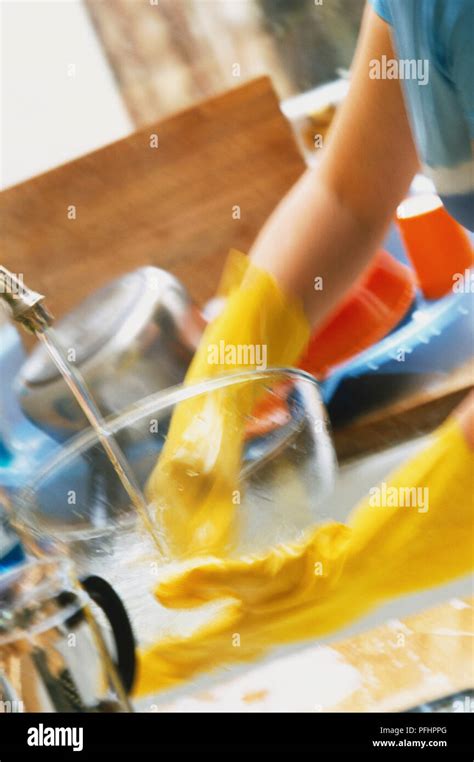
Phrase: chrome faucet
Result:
[26,306]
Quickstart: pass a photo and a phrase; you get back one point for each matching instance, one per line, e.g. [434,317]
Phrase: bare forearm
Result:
[331,222]
[315,246]
[465,415]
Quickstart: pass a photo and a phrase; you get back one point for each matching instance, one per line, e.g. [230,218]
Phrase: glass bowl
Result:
[287,465]
[288,469]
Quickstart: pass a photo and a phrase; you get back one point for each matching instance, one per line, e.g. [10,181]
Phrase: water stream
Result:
[85,400]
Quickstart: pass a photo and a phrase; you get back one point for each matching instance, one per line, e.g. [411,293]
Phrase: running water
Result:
[79,389]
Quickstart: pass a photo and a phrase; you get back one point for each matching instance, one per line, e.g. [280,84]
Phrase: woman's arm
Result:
[465,415]
[331,222]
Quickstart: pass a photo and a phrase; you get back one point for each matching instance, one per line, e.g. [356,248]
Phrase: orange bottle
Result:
[436,244]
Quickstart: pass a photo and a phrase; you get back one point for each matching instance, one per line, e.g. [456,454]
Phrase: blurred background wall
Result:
[166,56]
[78,74]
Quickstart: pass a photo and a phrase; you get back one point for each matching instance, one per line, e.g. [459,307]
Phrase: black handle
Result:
[111,604]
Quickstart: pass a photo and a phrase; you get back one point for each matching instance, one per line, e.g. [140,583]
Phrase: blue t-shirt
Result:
[440,99]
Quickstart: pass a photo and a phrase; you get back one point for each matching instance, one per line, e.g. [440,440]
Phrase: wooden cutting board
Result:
[218,171]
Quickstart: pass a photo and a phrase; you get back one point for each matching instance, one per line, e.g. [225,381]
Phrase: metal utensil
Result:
[131,338]
[26,306]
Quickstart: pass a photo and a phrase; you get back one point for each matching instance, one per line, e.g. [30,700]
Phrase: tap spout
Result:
[26,306]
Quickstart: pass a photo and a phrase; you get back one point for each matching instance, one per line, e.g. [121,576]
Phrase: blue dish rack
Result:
[432,339]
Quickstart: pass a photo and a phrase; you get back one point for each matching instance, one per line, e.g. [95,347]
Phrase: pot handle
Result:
[111,604]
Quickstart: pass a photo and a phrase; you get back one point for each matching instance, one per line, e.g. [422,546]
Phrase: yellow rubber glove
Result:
[315,587]
[193,485]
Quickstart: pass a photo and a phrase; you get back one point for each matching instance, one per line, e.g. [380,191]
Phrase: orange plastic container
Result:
[437,245]
[374,306]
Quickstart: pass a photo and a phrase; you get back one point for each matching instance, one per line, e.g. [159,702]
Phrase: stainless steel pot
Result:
[131,338]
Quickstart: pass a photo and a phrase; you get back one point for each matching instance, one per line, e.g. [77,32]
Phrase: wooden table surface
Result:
[392,668]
